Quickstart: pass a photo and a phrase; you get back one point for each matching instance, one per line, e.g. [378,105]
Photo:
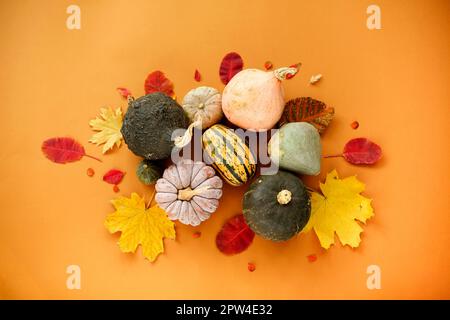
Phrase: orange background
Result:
[394,81]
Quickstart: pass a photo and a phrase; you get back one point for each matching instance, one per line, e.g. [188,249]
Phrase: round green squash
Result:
[149,123]
[296,147]
[148,172]
[277,207]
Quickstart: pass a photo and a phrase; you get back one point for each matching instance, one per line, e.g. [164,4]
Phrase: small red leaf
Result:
[197,76]
[124,92]
[64,150]
[231,64]
[157,82]
[312,258]
[251,267]
[268,65]
[362,151]
[113,176]
[235,236]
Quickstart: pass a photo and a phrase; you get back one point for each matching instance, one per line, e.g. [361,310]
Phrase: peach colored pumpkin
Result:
[254,99]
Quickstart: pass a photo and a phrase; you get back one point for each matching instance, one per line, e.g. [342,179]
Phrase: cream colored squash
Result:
[205,104]
[203,107]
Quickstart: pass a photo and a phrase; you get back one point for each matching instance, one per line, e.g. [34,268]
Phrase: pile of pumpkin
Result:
[277,206]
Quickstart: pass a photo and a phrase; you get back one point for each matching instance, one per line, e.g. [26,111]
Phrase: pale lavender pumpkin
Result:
[189,192]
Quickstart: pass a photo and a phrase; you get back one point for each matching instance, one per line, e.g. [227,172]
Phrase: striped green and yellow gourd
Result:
[229,154]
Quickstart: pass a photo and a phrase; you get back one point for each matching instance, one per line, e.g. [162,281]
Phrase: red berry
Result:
[116,188]
[196,235]
[268,65]
[251,267]
[90,172]
[354,125]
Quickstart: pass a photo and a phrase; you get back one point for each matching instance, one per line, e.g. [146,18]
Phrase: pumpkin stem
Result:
[284,196]
[149,203]
[285,72]
[183,140]
[187,194]
[311,190]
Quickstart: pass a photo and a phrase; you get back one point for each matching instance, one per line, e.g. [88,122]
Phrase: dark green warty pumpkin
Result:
[277,207]
[149,123]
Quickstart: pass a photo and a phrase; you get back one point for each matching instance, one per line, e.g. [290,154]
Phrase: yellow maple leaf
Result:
[338,209]
[140,226]
[108,125]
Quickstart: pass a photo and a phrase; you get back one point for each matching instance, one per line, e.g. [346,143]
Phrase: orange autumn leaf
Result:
[306,109]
